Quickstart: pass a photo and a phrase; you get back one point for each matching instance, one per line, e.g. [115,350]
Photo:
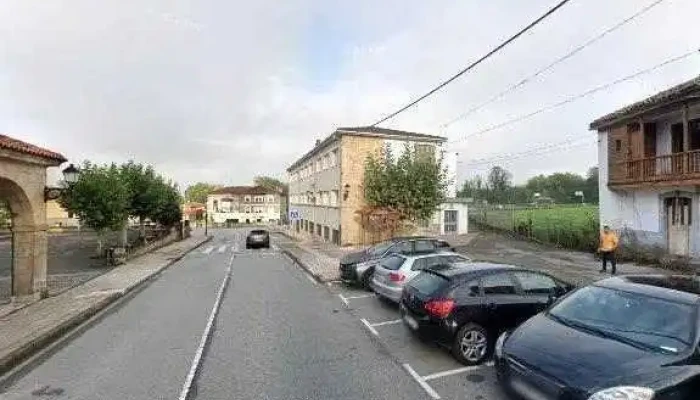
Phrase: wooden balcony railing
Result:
[676,167]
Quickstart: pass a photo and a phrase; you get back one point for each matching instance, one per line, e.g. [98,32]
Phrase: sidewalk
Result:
[322,259]
[25,330]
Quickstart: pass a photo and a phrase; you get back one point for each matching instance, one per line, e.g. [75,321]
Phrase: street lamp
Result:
[70,175]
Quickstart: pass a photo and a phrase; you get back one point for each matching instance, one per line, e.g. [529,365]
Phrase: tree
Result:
[412,185]
[270,183]
[99,198]
[499,183]
[165,208]
[198,192]
[139,181]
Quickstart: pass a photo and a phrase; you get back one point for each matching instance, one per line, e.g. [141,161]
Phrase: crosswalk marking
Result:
[222,248]
[208,250]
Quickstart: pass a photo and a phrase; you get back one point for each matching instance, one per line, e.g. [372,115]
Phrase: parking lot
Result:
[432,367]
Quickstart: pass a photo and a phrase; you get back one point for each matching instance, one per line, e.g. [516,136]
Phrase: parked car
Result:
[258,238]
[465,309]
[358,267]
[393,272]
[632,337]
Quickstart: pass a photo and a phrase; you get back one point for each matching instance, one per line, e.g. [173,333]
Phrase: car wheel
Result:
[471,344]
[366,279]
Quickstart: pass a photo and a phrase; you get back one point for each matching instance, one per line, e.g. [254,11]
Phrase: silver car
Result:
[394,271]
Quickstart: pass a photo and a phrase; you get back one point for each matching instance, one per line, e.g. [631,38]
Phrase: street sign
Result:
[294,214]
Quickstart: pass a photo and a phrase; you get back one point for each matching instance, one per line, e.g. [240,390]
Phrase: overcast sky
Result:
[222,90]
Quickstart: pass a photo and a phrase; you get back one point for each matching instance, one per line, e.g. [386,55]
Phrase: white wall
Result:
[462,217]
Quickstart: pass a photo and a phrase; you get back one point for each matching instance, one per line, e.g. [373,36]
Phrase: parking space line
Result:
[428,389]
[369,327]
[456,371]
[392,322]
[344,300]
[362,296]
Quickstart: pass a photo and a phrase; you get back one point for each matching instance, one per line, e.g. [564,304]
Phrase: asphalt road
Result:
[277,336]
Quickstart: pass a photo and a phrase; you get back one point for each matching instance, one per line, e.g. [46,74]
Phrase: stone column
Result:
[40,262]
[29,261]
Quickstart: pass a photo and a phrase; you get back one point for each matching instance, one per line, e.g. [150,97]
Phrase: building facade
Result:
[326,184]
[649,171]
[244,205]
[58,217]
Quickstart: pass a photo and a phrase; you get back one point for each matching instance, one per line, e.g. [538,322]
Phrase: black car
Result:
[358,267]
[466,307]
[631,337]
[257,238]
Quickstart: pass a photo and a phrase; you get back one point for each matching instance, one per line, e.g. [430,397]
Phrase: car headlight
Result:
[498,348]
[624,393]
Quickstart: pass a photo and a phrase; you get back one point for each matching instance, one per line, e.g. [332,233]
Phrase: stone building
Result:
[326,183]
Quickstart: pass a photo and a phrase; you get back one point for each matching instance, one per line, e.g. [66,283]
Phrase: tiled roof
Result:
[669,96]
[238,190]
[359,130]
[19,146]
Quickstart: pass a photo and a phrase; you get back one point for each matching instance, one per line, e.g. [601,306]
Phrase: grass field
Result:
[574,227]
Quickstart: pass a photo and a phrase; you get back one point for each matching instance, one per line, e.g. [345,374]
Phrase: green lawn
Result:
[572,227]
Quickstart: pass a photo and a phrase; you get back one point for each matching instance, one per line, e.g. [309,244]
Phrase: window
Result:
[533,283]
[326,161]
[334,157]
[618,145]
[467,289]
[455,259]
[247,199]
[424,245]
[425,150]
[216,205]
[270,198]
[318,166]
[393,262]
[419,264]
[498,284]
[334,198]
[434,261]
[427,283]
[403,248]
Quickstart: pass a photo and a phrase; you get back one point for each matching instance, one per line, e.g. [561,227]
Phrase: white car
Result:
[394,271]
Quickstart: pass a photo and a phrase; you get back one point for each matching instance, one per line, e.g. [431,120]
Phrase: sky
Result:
[224,90]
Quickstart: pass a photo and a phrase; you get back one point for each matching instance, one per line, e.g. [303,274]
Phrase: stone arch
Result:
[18,201]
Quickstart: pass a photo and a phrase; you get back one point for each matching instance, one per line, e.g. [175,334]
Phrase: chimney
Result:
[318,141]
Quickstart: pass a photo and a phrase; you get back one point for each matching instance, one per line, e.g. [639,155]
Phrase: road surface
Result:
[276,335]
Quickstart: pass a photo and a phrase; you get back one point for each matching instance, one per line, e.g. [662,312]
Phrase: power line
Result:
[474,64]
[535,152]
[577,97]
[553,64]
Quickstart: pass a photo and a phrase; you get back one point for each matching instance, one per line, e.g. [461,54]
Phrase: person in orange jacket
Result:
[608,245]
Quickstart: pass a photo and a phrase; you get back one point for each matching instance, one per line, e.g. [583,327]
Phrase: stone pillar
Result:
[29,261]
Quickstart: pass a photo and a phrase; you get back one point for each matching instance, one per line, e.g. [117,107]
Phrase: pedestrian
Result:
[608,246]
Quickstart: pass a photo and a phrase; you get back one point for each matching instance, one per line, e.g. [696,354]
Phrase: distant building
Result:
[649,163]
[326,183]
[244,205]
[58,217]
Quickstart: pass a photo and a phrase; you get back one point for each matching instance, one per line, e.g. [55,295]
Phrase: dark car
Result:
[466,307]
[632,337]
[257,238]
[358,267]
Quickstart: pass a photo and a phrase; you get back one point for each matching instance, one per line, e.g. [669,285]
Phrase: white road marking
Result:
[428,389]
[344,300]
[222,248]
[370,327]
[311,278]
[363,296]
[457,371]
[208,250]
[392,322]
[207,334]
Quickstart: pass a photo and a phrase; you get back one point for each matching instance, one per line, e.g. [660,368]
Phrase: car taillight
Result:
[440,308]
[396,277]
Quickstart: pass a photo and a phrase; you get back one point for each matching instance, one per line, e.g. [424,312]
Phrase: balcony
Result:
[665,170]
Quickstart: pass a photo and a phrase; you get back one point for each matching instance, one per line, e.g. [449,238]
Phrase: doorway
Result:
[450,221]
[678,220]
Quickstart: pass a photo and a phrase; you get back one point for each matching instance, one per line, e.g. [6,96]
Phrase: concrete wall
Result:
[462,217]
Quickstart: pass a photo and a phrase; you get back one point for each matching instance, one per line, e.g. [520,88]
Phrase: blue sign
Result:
[294,214]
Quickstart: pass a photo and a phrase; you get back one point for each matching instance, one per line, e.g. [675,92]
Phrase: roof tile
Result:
[19,146]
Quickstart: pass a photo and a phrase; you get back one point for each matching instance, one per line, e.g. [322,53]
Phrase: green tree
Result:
[99,198]
[270,183]
[499,182]
[165,208]
[411,184]
[198,192]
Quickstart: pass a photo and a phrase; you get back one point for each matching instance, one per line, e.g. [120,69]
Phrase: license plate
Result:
[410,321]
[526,391]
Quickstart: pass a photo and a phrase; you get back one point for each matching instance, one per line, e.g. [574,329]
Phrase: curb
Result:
[28,349]
[303,266]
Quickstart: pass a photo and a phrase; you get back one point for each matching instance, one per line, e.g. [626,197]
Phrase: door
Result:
[503,301]
[678,221]
[450,221]
[649,163]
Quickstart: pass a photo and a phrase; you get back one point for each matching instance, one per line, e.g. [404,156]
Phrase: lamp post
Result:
[70,175]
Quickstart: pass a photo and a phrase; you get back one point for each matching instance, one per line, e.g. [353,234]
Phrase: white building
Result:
[244,205]
[649,170]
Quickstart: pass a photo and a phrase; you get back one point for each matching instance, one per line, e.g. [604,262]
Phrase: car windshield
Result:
[392,263]
[380,248]
[644,320]
[427,283]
